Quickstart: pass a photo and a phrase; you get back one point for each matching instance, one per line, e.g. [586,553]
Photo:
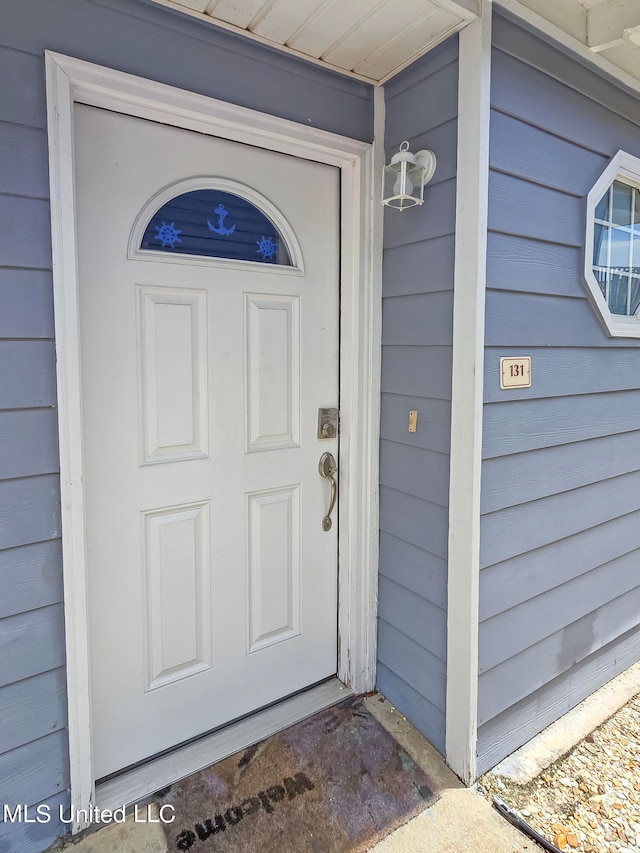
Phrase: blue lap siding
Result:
[560,527]
[421,107]
[560,505]
[151,41]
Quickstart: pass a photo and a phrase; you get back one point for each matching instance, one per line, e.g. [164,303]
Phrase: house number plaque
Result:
[515,372]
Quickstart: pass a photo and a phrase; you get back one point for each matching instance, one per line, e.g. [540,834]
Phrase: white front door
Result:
[212,583]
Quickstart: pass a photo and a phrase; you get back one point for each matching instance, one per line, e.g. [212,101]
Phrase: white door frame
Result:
[71,81]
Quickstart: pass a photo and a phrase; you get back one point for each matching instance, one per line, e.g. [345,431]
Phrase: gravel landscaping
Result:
[589,800]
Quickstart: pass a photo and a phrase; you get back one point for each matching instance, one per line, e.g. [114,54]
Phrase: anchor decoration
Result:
[222,215]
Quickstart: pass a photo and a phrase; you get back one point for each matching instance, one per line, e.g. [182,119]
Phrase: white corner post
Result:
[467,393]
[361,315]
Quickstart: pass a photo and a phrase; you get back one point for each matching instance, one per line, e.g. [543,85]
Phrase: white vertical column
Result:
[361,346]
[467,393]
[60,128]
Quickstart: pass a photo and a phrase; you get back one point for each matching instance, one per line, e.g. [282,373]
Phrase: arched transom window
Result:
[214,222]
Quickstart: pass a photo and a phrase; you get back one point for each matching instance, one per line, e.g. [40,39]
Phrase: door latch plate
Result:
[327,423]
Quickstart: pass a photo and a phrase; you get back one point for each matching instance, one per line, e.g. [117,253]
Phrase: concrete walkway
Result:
[461,821]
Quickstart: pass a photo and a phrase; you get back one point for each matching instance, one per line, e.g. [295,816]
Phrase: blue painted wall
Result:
[418,263]
[148,40]
[560,533]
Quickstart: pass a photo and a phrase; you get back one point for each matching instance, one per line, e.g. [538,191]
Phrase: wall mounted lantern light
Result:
[404,178]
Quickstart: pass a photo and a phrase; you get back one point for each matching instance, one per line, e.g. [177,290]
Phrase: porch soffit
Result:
[368,39]
[373,40]
[608,28]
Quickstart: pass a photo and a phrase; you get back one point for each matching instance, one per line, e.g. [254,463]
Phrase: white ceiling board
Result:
[331,23]
[431,29]
[240,13]
[569,15]
[625,56]
[284,18]
[467,9]
[340,34]
[383,25]
[607,22]
[196,5]
[536,14]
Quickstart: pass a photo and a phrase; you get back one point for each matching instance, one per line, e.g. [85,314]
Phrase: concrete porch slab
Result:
[462,821]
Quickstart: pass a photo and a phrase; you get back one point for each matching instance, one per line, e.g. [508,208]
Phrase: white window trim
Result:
[626,168]
[71,81]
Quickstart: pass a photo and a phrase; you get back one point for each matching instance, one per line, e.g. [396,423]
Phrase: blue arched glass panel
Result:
[215,224]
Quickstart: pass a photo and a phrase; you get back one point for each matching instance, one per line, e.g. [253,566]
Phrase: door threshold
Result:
[140,782]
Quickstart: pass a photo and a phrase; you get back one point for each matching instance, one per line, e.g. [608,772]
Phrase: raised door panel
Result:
[272,333]
[177,593]
[274,566]
[173,373]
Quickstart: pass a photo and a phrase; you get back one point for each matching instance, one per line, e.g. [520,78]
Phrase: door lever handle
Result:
[327,468]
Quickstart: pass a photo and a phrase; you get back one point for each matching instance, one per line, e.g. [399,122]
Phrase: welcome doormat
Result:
[334,783]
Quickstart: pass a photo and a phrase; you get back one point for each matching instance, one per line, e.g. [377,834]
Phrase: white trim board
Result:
[71,81]
[472,204]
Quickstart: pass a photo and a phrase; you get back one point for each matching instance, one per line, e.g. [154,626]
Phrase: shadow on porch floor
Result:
[461,821]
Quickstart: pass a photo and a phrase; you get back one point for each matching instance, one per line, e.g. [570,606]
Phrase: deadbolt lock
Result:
[327,423]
